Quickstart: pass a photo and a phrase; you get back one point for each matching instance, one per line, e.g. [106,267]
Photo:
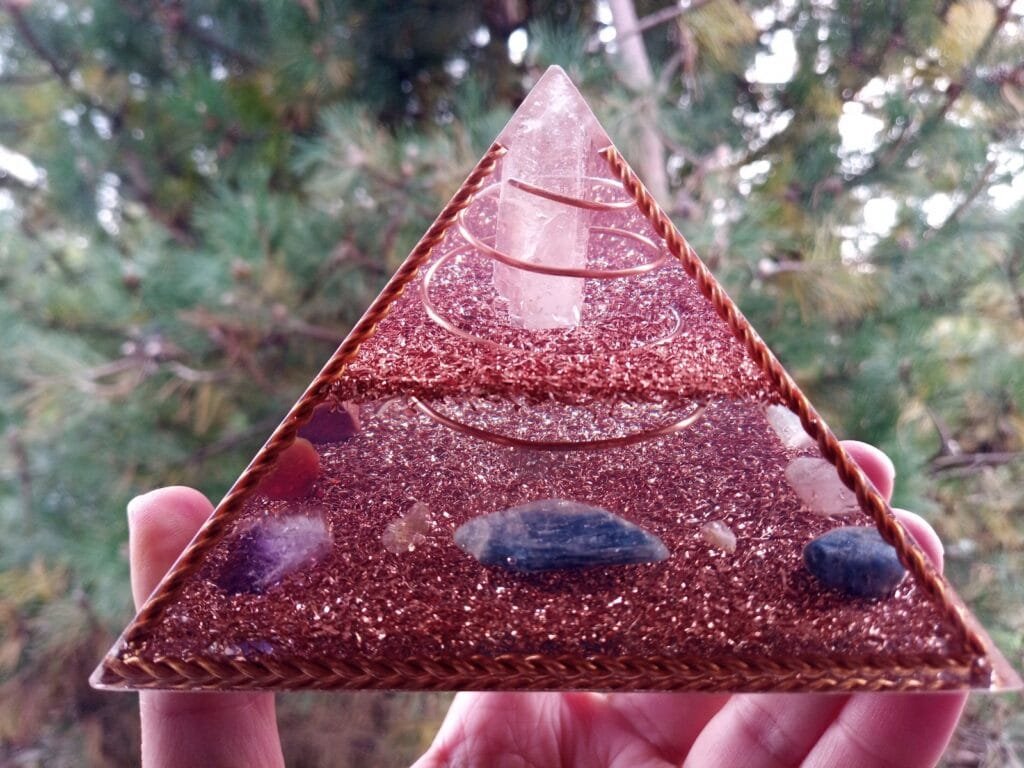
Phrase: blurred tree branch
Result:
[1012,268]
[979,186]
[60,70]
[24,474]
[650,21]
[966,462]
[898,150]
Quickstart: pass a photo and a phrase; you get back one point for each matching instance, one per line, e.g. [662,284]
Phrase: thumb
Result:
[188,729]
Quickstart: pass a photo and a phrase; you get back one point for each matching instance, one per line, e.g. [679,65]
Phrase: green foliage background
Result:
[214,191]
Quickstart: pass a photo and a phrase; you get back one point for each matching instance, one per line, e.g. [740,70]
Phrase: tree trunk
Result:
[634,67]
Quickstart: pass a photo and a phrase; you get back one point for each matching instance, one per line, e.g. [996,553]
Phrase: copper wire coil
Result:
[559,445]
[438,317]
[571,200]
[598,274]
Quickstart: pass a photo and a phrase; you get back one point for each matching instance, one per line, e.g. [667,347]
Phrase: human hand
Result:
[191,729]
[648,730]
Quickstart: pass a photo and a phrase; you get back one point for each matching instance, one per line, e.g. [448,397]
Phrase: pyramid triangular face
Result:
[553,455]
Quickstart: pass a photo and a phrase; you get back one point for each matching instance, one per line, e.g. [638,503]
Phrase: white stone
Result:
[817,484]
[407,532]
[549,141]
[718,534]
[788,427]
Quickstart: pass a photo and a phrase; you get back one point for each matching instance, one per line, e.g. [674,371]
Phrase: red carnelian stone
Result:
[294,472]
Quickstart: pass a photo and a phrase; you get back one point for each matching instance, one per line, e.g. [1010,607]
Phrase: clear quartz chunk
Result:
[818,486]
[788,427]
[549,140]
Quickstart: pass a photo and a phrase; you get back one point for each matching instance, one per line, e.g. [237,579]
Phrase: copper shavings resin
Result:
[436,601]
[474,384]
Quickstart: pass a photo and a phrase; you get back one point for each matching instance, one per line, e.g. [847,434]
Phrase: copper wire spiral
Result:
[559,445]
[675,322]
[478,246]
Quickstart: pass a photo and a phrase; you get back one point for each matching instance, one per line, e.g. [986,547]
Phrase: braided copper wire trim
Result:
[921,672]
[301,412]
[869,498]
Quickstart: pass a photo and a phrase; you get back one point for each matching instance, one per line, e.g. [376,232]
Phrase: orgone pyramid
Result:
[553,455]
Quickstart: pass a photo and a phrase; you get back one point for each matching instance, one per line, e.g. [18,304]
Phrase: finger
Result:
[498,729]
[673,723]
[925,536]
[904,729]
[876,465]
[772,730]
[160,524]
[187,729]
[779,730]
[880,470]
[669,722]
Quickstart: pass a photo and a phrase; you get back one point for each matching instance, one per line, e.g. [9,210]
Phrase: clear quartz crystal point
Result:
[551,140]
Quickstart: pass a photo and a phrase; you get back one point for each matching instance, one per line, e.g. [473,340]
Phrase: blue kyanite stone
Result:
[556,534]
[856,561]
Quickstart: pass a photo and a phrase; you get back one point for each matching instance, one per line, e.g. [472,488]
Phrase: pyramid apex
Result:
[552,110]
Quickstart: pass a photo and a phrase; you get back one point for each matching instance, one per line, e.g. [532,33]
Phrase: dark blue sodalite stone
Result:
[555,534]
[856,561]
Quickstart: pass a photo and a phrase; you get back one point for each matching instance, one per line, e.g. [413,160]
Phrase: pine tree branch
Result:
[138,186]
[972,194]
[948,445]
[1013,269]
[61,71]
[399,185]
[29,37]
[220,46]
[973,461]
[232,441]
[19,79]
[902,146]
[193,376]
[207,39]
[311,331]
[24,473]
